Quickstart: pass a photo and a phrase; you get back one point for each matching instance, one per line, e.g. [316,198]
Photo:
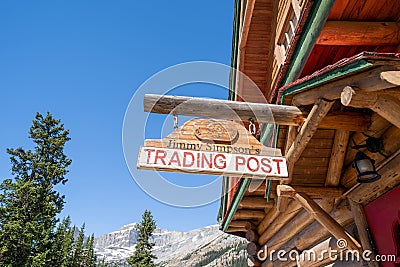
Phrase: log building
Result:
[337,63]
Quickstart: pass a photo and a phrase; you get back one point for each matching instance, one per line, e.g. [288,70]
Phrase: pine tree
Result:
[29,204]
[142,255]
[62,245]
[78,254]
[90,256]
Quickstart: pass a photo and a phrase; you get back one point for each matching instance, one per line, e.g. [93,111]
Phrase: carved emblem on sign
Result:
[215,131]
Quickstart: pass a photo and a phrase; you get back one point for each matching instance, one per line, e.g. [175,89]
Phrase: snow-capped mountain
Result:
[203,246]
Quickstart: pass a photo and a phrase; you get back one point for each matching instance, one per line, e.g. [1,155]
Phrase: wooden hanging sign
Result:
[215,147]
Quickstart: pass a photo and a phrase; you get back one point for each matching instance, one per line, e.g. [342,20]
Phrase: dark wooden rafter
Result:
[353,33]
[320,215]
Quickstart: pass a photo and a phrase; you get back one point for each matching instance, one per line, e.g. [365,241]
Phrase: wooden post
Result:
[310,126]
[362,226]
[337,158]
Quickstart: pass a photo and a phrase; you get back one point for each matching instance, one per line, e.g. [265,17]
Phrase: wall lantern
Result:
[364,165]
[365,168]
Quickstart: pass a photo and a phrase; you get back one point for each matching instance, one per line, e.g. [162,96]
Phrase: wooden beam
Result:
[376,79]
[362,226]
[252,236]
[235,229]
[246,24]
[345,120]
[364,193]
[382,103]
[314,233]
[310,126]
[259,203]
[323,258]
[324,219]
[337,158]
[320,192]
[267,220]
[233,110]
[248,215]
[291,136]
[299,223]
[283,198]
[252,248]
[250,226]
[358,33]
[223,109]
[280,221]
[241,224]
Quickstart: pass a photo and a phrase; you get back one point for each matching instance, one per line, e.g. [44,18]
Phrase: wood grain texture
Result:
[310,126]
[359,33]
[326,220]
[223,109]
[337,158]
[362,228]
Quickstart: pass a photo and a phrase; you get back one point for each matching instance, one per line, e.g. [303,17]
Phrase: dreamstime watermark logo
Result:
[335,252]
[139,126]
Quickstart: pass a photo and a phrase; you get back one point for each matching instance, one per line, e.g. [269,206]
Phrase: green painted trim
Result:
[326,77]
[244,184]
[235,37]
[314,23]
[231,96]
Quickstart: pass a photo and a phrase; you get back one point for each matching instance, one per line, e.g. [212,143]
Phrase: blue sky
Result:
[83,61]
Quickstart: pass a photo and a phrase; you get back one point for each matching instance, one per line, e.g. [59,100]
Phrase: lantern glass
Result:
[365,168]
[365,165]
